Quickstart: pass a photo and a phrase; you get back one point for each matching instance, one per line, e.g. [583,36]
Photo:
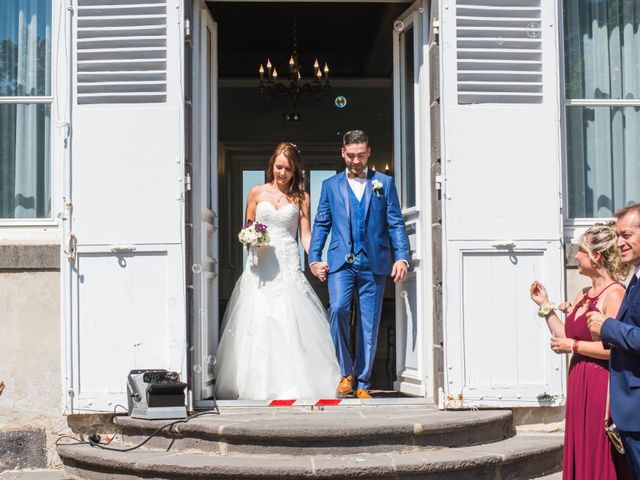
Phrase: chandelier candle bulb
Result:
[269,66]
[274,74]
[316,65]
[261,72]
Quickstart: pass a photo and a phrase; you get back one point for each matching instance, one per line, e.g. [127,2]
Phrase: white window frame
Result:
[45,229]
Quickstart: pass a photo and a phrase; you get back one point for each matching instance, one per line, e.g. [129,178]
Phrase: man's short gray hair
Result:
[354,136]
[624,211]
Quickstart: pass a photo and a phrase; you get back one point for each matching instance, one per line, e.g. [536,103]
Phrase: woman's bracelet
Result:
[546,309]
[574,346]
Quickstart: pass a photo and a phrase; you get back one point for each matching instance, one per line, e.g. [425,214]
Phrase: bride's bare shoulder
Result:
[256,192]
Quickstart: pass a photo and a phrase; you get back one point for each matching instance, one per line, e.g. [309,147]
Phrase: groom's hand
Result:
[399,271]
[320,270]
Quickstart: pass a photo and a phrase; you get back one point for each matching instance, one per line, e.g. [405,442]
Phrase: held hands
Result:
[399,271]
[320,270]
[561,345]
[595,321]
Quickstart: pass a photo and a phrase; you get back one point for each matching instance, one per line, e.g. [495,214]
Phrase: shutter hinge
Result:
[187,182]
[187,28]
[435,25]
[438,181]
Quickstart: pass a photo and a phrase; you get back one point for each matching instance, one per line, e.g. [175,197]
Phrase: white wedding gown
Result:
[275,340]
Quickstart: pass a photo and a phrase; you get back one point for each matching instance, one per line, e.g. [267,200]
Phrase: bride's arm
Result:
[305,223]
[252,200]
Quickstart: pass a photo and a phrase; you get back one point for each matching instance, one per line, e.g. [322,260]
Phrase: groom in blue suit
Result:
[360,208]
[622,336]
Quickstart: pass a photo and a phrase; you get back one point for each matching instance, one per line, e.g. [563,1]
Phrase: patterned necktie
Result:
[360,175]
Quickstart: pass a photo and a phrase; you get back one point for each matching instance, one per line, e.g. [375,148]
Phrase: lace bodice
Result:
[281,223]
[280,257]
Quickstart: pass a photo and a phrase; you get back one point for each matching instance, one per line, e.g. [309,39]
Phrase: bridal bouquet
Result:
[253,234]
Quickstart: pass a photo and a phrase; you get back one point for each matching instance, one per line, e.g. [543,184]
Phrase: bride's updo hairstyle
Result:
[602,238]
[296,186]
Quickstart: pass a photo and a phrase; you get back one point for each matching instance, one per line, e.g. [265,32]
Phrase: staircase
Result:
[369,442]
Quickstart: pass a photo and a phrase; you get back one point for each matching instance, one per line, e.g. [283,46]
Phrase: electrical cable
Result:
[129,449]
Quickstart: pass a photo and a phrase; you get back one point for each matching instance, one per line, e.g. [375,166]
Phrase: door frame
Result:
[423,210]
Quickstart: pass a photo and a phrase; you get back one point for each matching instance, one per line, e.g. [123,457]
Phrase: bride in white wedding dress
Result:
[275,341]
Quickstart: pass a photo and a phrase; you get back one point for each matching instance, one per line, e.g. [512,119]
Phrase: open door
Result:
[500,144]
[412,141]
[123,283]
[205,204]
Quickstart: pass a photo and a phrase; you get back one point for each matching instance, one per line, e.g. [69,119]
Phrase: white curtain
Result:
[25,66]
[602,61]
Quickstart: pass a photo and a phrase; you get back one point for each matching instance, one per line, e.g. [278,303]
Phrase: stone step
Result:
[333,430]
[523,456]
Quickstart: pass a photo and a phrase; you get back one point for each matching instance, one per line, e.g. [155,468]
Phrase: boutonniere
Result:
[377,186]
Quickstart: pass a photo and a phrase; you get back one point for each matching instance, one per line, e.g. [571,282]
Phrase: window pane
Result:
[25,48]
[602,49]
[24,161]
[408,167]
[603,148]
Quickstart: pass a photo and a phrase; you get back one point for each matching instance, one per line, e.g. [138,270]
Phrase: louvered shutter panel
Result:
[499,51]
[121,51]
[502,206]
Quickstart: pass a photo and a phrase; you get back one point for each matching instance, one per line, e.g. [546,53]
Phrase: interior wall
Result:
[247,116]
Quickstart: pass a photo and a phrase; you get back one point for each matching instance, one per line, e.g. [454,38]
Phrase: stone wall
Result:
[31,404]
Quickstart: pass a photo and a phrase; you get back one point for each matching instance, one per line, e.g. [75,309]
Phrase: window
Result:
[602,90]
[25,109]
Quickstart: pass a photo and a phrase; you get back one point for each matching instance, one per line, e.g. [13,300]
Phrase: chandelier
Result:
[316,88]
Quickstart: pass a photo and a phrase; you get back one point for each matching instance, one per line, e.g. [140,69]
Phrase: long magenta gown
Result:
[588,453]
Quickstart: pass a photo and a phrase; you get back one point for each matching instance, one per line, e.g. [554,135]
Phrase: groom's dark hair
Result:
[354,136]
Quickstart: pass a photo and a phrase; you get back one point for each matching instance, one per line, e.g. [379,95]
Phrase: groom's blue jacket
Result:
[385,235]
[622,335]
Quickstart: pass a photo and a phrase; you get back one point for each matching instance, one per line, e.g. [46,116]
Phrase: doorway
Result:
[362,44]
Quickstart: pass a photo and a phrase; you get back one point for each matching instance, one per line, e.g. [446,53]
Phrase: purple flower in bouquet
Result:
[253,234]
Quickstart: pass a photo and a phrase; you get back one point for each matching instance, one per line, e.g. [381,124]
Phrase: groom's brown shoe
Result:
[345,387]
[363,394]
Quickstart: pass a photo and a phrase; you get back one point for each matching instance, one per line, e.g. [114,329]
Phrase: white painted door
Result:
[123,284]
[205,204]
[412,140]
[502,205]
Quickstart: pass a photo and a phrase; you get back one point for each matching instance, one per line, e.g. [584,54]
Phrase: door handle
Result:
[123,249]
[504,245]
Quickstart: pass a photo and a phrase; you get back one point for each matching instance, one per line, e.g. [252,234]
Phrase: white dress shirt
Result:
[358,184]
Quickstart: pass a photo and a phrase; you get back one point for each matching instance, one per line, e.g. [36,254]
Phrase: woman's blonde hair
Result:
[602,238]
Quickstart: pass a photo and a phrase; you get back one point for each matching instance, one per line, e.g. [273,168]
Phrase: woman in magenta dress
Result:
[588,454]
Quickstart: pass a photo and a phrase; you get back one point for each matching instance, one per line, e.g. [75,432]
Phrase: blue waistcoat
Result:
[357,221]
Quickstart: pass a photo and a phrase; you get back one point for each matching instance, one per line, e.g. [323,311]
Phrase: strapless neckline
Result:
[276,208]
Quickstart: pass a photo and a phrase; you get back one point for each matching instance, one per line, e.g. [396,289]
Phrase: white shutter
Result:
[502,205]
[124,288]
[499,51]
[121,51]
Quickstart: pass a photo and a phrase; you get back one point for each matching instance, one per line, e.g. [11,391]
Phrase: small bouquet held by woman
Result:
[253,234]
